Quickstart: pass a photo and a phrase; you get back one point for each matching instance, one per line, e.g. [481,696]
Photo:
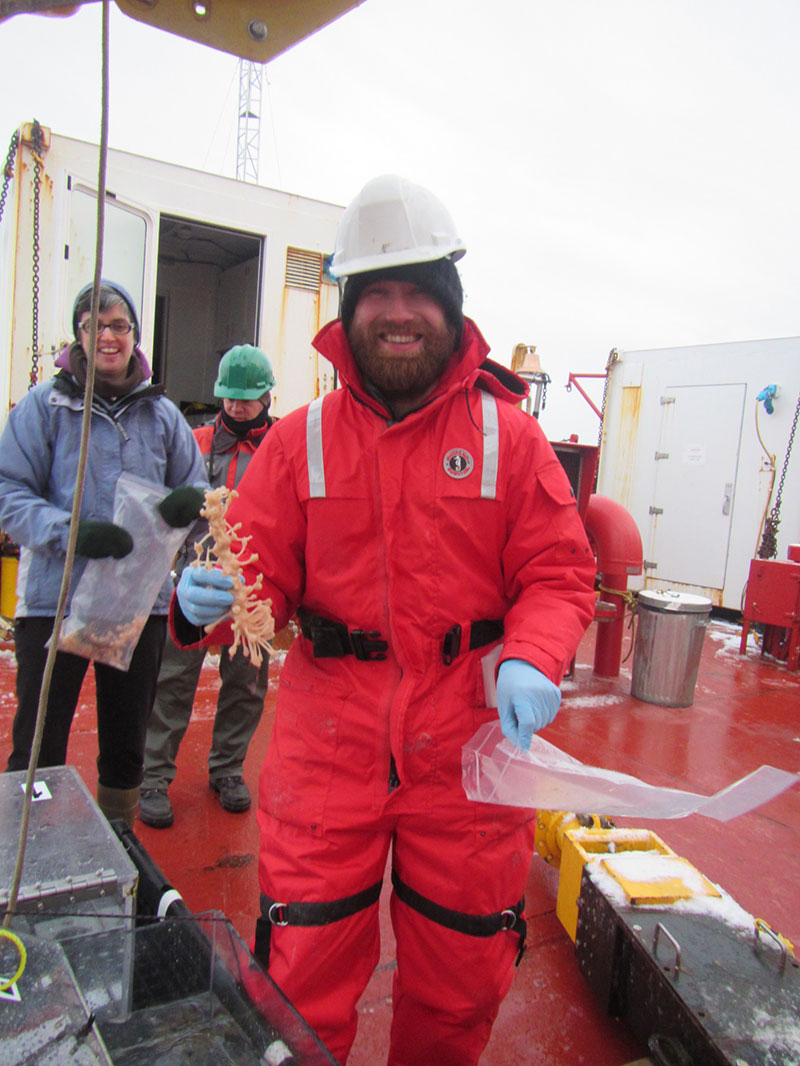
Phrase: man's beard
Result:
[398,377]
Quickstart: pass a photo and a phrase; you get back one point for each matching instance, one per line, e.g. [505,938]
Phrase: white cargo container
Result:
[681,452]
[210,261]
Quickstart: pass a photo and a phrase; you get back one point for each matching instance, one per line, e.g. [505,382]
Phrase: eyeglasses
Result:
[119,327]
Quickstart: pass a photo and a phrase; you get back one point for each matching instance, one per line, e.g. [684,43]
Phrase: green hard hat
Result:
[244,373]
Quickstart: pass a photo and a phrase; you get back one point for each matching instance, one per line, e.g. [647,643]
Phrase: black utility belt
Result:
[334,640]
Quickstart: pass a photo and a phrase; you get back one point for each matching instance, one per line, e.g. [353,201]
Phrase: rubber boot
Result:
[118,803]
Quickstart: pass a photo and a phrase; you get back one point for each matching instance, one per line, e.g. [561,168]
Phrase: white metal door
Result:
[693,500]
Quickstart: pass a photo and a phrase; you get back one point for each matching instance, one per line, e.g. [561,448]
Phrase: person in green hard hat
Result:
[228,443]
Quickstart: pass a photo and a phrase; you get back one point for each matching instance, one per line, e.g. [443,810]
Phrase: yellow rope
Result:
[771,468]
[629,599]
[7,982]
[626,594]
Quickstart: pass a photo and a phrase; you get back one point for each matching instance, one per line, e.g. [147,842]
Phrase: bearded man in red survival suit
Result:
[413,518]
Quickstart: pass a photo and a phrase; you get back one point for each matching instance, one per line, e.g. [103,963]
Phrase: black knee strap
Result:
[509,920]
[275,913]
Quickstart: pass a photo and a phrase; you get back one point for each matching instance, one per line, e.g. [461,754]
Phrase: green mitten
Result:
[102,540]
[182,506]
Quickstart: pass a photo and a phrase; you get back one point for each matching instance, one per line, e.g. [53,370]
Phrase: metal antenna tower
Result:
[251,76]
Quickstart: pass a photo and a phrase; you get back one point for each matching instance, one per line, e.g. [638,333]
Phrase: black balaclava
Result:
[439,279]
[240,429]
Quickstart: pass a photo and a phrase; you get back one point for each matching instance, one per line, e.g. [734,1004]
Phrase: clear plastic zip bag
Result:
[114,597]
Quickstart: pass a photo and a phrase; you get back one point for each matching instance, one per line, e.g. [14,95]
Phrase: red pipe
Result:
[617,545]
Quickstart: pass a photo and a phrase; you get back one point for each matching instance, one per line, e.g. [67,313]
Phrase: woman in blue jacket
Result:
[134,429]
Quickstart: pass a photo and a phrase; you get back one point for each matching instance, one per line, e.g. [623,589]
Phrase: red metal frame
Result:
[573,380]
[773,599]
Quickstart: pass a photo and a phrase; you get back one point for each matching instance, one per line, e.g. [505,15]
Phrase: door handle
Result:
[727,497]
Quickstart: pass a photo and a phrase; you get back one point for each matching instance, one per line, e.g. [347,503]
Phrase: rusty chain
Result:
[37,141]
[613,356]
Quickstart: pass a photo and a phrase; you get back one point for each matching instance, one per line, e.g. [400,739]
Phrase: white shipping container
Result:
[210,262]
[687,450]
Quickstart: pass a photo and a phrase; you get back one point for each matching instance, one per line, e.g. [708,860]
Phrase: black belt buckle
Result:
[451,645]
[329,639]
[368,646]
[333,640]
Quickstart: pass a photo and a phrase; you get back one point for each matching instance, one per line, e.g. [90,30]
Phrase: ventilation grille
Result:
[303,269]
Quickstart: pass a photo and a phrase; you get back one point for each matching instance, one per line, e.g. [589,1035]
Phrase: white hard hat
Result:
[393,222]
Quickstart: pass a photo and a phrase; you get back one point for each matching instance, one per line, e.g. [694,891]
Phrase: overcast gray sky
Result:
[625,173]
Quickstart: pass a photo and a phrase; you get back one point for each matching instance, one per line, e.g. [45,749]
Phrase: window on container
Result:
[125,232]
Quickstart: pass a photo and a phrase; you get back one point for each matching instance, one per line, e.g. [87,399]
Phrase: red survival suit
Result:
[457,516]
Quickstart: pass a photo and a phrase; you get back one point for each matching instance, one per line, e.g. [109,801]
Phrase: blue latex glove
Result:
[527,701]
[204,595]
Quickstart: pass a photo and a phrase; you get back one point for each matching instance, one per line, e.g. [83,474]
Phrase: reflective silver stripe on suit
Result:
[316,465]
[491,446]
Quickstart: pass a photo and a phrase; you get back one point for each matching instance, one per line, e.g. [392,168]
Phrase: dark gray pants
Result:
[240,704]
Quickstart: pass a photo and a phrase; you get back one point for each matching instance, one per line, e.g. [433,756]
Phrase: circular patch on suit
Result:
[458,463]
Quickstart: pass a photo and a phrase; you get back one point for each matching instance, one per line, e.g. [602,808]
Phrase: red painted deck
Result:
[746,713]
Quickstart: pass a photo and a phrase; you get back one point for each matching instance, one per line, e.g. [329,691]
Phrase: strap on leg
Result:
[483,925]
[274,912]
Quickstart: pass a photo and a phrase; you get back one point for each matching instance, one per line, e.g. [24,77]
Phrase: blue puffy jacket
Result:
[142,433]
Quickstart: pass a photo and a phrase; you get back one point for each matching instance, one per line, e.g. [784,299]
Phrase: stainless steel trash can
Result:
[669,641]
